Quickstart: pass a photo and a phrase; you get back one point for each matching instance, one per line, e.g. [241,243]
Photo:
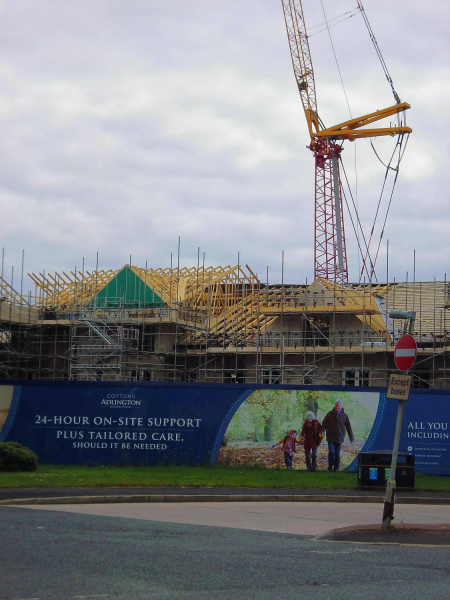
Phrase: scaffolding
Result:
[217,324]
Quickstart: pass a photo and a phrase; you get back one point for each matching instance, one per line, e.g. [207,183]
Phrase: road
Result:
[248,551]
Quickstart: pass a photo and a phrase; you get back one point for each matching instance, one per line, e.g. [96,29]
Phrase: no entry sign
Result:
[405,352]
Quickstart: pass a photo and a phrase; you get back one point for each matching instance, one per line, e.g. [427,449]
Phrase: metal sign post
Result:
[389,499]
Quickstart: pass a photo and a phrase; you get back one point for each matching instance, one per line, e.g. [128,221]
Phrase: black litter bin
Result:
[374,469]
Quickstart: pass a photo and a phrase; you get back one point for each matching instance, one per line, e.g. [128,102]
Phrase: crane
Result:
[330,255]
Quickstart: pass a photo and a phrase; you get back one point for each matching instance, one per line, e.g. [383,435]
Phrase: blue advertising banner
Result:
[84,423]
[425,430]
[99,423]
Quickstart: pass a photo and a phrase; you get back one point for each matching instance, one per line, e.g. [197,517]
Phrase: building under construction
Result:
[225,325]
[217,325]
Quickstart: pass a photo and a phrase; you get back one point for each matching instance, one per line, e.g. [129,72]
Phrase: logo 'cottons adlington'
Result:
[123,400]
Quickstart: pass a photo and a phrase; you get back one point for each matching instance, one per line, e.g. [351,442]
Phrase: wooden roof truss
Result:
[10,295]
[216,288]
[63,290]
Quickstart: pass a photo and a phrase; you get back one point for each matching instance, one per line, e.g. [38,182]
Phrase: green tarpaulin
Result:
[128,290]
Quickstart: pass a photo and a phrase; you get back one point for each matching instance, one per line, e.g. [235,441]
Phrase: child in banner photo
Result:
[288,447]
[311,436]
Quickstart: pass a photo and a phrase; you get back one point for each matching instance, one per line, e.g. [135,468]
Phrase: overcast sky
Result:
[126,124]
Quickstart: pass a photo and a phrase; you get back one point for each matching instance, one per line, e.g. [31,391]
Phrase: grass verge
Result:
[208,477]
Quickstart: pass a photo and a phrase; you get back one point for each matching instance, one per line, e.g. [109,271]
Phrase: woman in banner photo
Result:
[312,437]
[288,447]
[335,423]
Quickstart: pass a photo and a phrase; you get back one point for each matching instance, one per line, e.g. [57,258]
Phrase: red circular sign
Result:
[405,352]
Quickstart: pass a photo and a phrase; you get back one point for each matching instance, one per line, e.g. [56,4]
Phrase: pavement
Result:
[421,518]
[198,494]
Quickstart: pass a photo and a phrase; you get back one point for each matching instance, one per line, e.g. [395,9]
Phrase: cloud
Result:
[127,126]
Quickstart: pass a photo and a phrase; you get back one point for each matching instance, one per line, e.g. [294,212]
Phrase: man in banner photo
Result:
[335,423]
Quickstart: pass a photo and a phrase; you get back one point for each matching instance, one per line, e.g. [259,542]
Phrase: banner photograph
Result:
[264,419]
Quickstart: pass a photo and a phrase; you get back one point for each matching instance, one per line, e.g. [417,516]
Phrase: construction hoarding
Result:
[232,424]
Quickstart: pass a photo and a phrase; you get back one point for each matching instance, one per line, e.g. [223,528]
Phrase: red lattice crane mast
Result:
[330,255]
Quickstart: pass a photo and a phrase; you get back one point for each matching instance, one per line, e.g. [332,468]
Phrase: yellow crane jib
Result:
[348,129]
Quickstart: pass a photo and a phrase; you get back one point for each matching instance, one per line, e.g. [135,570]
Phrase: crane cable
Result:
[378,51]
[355,206]
[335,58]
[399,146]
[343,17]
[401,152]
[355,229]
[388,168]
